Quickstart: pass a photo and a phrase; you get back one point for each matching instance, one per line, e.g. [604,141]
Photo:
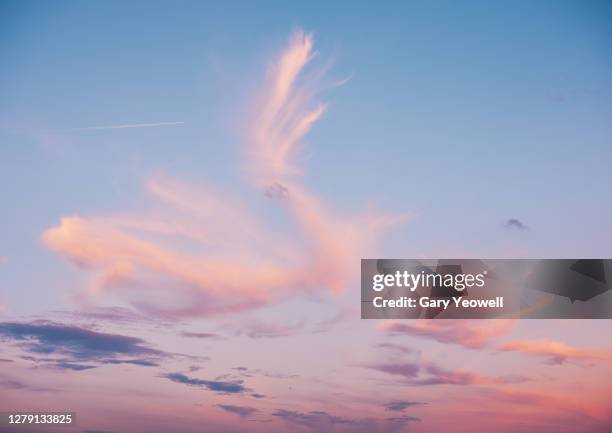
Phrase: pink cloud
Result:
[285,114]
[557,352]
[201,251]
[473,334]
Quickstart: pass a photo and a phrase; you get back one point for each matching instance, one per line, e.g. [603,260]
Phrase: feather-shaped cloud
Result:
[235,260]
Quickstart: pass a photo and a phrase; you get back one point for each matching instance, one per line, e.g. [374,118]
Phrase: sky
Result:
[189,187]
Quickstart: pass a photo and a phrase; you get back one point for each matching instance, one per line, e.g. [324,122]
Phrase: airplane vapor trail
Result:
[129,125]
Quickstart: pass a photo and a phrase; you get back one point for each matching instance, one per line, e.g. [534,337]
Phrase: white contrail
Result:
[130,125]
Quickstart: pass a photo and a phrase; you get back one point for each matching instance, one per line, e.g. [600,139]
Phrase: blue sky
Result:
[465,113]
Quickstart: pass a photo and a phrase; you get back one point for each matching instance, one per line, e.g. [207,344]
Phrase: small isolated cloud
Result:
[277,192]
[557,353]
[241,411]
[514,223]
[472,334]
[401,405]
[220,386]
[77,348]
[201,335]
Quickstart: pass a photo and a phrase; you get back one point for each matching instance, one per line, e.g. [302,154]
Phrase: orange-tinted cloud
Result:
[557,352]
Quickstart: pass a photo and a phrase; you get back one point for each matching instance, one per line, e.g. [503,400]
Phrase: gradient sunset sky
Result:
[188,188]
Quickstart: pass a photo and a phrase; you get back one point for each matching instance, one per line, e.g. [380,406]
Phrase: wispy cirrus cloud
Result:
[557,353]
[246,264]
[472,334]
